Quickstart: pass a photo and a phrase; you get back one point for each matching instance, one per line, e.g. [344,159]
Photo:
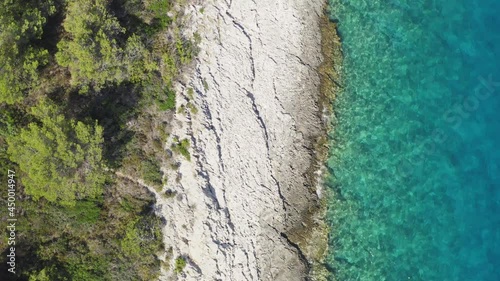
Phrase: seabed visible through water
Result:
[414,160]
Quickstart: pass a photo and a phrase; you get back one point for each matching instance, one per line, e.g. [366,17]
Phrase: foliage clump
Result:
[151,172]
[192,108]
[21,25]
[61,158]
[86,87]
[182,147]
[180,264]
[92,50]
[167,101]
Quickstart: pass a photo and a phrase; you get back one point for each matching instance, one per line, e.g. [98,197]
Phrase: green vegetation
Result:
[182,147]
[20,57]
[180,264]
[192,108]
[167,102]
[86,91]
[158,9]
[190,93]
[151,172]
[62,159]
[84,212]
[181,109]
[185,50]
[205,85]
[197,38]
[93,240]
[91,51]
[168,257]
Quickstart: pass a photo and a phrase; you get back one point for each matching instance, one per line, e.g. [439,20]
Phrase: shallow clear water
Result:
[415,158]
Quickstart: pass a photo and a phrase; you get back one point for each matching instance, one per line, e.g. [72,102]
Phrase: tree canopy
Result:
[86,85]
[22,23]
[91,49]
[61,158]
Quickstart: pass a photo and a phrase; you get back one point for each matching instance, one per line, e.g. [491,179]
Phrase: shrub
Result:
[151,172]
[192,108]
[186,50]
[61,158]
[21,25]
[182,147]
[129,243]
[168,101]
[91,52]
[180,264]
[205,84]
[159,10]
[197,38]
[190,93]
[84,212]
[181,110]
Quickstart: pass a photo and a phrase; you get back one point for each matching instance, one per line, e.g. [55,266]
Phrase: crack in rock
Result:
[243,30]
[259,119]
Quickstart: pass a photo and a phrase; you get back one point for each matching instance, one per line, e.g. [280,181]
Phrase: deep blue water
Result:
[415,158]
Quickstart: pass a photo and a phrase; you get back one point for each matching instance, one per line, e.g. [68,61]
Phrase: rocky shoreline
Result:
[248,203]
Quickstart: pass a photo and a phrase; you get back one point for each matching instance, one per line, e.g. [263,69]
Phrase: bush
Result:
[21,25]
[129,243]
[61,158]
[205,84]
[151,172]
[190,93]
[186,50]
[180,264]
[159,10]
[182,147]
[84,212]
[91,52]
[192,108]
[167,102]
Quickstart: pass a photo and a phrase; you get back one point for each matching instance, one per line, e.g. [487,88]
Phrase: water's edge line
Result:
[313,242]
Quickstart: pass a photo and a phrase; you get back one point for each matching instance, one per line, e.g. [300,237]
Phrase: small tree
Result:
[92,52]
[180,264]
[61,159]
[21,23]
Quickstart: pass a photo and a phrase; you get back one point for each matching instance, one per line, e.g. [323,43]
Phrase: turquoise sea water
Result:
[415,158]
